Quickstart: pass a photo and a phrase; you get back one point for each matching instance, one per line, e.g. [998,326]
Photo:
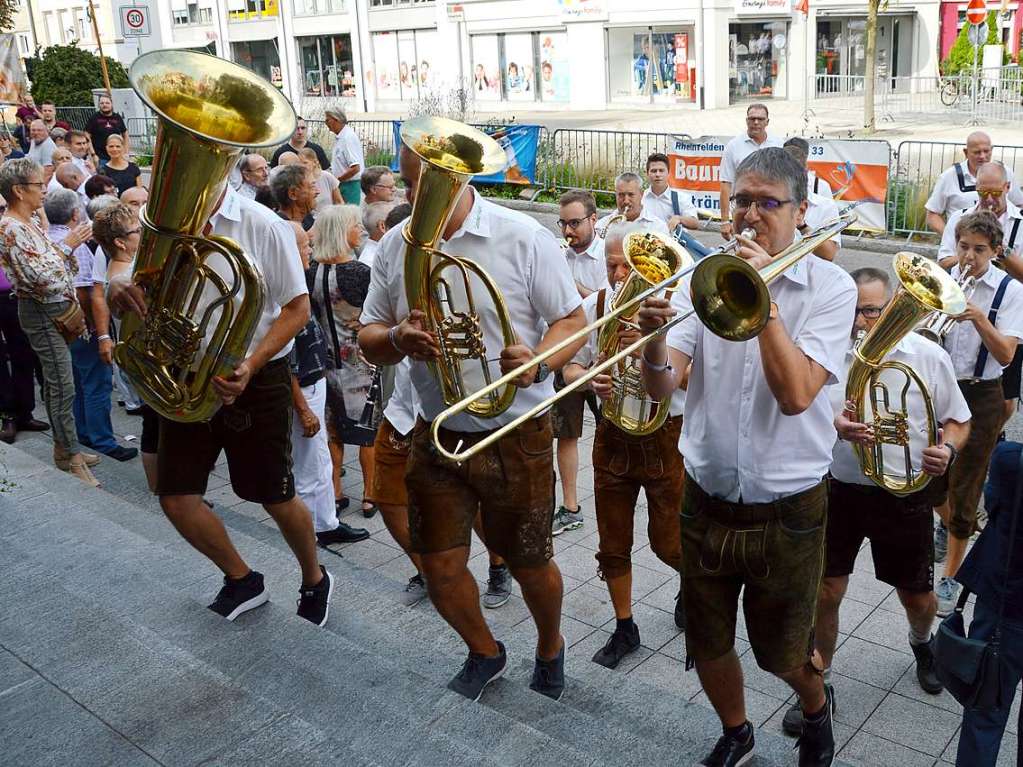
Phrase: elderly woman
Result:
[42,275]
[338,284]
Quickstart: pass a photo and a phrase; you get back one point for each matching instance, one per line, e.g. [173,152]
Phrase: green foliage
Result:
[960,57]
[66,75]
[8,10]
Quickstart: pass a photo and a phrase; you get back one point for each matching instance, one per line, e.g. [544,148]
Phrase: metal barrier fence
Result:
[914,172]
[76,117]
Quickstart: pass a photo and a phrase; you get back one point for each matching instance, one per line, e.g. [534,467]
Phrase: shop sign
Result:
[763,7]
[582,10]
[857,171]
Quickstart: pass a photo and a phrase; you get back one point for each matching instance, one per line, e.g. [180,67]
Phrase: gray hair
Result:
[243,164]
[98,203]
[994,166]
[867,274]
[375,214]
[284,180]
[60,206]
[337,114]
[628,176]
[16,172]
[616,235]
[332,225]
[776,164]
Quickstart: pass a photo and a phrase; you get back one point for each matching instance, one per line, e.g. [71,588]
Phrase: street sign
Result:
[977,34]
[976,12]
[134,21]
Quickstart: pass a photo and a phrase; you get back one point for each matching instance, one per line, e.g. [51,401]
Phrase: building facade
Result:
[382,55]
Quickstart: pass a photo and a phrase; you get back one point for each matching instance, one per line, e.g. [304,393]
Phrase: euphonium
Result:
[925,288]
[936,326]
[653,257]
[204,295]
[452,153]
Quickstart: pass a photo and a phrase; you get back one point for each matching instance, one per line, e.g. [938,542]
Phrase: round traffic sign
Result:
[135,18]
[976,11]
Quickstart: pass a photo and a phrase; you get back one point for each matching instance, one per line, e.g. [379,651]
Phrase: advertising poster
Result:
[520,143]
[408,68]
[554,66]
[856,170]
[519,77]
[486,67]
[426,51]
[385,51]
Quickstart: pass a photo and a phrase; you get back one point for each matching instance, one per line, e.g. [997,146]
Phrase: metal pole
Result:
[976,50]
[99,45]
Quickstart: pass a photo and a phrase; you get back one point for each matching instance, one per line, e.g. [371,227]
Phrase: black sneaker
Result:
[240,595]
[342,534]
[680,610]
[314,603]
[925,673]
[619,644]
[122,454]
[730,751]
[477,672]
[817,743]
[792,724]
[549,676]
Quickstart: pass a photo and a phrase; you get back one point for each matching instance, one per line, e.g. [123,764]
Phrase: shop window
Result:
[527,66]
[651,64]
[243,10]
[405,63]
[757,56]
[327,66]
[313,7]
[260,56]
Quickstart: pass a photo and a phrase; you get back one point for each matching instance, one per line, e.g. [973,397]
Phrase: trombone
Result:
[729,296]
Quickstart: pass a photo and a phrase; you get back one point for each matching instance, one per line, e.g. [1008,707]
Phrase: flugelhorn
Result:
[652,257]
[205,295]
[747,299]
[936,325]
[925,288]
[451,154]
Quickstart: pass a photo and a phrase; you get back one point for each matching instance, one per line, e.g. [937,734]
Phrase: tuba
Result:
[936,326]
[653,258]
[200,320]
[452,153]
[925,288]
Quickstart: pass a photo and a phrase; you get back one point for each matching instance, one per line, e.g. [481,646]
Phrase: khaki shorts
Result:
[511,485]
[390,459]
[771,553]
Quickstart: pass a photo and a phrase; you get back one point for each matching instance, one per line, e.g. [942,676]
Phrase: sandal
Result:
[369,511]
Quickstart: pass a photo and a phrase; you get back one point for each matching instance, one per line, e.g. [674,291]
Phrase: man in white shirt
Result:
[509,484]
[957,186]
[41,148]
[255,174]
[981,343]
[254,425]
[992,190]
[347,160]
[899,528]
[81,152]
[374,219]
[819,210]
[738,149]
[673,207]
[757,440]
[629,201]
[624,464]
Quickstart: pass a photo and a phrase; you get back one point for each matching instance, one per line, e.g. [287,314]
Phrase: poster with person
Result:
[385,51]
[519,75]
[486,78]
[554,66]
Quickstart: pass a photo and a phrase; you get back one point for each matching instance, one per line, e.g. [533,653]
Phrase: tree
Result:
[8,10]
[960,55]
[870,74]
[66,75]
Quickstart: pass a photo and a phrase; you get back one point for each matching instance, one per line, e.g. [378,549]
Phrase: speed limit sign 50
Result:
[134,21]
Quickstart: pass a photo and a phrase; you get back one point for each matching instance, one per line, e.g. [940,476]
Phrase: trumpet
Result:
[937,324]
[729,296]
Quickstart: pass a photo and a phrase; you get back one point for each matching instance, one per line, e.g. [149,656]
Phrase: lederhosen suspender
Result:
[961,178]
[978,369]
[1012,235]
[674,203]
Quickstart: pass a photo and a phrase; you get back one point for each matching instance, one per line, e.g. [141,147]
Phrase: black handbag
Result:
[970,669]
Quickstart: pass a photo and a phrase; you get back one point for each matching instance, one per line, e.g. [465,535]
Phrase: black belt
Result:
[970,382]
[311,378]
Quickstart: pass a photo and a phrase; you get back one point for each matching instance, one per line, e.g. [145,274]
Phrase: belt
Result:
[752,513]
[310,378]
[980,381]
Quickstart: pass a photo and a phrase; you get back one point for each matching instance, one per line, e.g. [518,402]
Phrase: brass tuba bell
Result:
[451,154]
[925,288]
[200,319]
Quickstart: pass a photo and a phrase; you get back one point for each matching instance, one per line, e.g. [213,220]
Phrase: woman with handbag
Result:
[993,571]
[42,276]
[338,284]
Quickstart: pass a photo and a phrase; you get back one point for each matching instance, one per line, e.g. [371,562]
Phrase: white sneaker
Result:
[948,594]
[415,591]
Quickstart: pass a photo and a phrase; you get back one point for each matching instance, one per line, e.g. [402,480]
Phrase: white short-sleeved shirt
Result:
[82,254]
[820,211]
[738,149]
[82,166]
[1012,231]
[587,353]
[269,242]
[816,185]
[950,195]
[369,252]
[99,266]
[737,442]
[645,219]
[403,406]
[42,153]
[325,186]
[934,366]
[524,260]
[662,206]
[346,153]
[963,341]
[588,268]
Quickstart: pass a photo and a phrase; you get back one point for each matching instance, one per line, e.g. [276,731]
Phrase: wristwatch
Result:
[542,371]
[953,453]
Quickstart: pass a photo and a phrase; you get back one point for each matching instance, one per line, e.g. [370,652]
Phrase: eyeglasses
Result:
[130,232]
[870,312]
[764,204]
[992,194]
[572,223]
[40,184]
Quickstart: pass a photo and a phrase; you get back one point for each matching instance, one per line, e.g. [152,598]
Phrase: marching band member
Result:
[671,206]
[981,343]
[757,441]
[819,209]
[624,464]
[511,483]
[899,527]
[629,202]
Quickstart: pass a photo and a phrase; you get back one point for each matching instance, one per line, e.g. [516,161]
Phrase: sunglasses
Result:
[990,194]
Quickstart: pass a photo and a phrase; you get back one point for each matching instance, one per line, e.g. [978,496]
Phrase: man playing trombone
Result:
[899,526]
[624,464]
[511,483]
[757,437]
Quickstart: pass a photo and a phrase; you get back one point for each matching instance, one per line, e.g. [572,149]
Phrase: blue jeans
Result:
[93,385]
[982,731]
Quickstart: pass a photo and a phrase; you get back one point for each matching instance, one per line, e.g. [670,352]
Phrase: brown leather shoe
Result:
[32,424]
[7,430]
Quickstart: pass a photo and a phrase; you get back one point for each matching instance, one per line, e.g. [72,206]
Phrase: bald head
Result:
[978,150]
[135,197]
[993,172]
[305,246]
[288,158]
[69,176]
